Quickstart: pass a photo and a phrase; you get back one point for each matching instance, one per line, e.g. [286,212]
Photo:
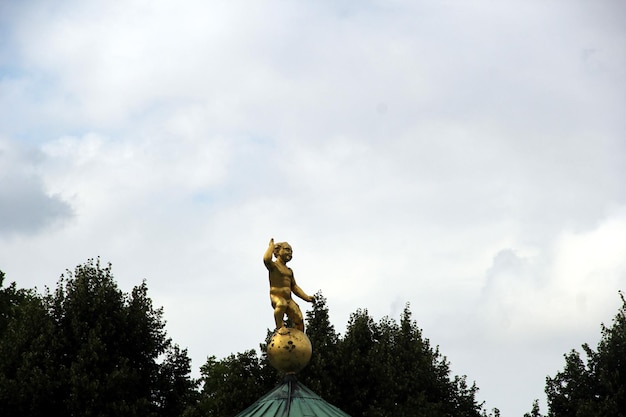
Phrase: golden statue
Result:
[282,284]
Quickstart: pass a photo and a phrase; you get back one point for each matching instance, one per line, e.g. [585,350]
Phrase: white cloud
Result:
[568,285]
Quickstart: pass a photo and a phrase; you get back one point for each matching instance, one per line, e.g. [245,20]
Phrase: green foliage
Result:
[88,349]
[174,391]
[396,370]
[535,412]
[28,383]
[376,369]
[233,382]
[596,385]
[321,373]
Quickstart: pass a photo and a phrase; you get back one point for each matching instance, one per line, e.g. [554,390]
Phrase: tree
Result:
[594,385]
[232,383]
[88,349]
[323,369]
[28,380]
[374,370]
[536,411]
[175,391]
[390,367]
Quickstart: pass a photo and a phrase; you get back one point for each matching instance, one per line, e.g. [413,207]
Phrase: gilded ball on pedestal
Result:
[289,350]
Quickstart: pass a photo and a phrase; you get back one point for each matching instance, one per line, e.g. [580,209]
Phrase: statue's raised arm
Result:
[267,256]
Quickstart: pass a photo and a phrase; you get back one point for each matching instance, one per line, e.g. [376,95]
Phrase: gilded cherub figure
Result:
[282,284]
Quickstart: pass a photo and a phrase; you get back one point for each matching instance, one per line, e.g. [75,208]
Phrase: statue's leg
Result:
[294,313]
[280,307]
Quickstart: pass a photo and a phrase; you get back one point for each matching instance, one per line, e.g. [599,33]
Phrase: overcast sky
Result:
[466,157]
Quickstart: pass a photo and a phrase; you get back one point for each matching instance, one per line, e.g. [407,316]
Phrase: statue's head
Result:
[283,250]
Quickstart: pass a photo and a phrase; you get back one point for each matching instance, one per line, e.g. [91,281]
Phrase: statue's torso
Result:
[281,279]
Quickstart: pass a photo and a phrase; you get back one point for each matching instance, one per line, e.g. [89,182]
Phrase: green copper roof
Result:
[291,399]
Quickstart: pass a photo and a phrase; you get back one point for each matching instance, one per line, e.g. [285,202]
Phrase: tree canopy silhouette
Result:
[593,385]
[88,349]
[375,369]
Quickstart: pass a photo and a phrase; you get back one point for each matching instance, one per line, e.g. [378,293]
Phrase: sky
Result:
[468,158]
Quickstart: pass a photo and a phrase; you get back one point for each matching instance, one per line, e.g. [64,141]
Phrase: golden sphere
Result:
[289,350]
